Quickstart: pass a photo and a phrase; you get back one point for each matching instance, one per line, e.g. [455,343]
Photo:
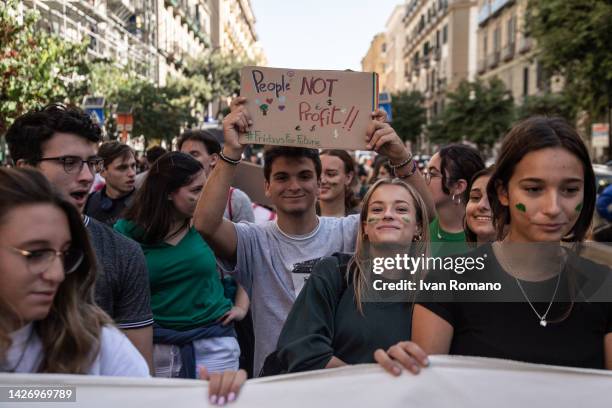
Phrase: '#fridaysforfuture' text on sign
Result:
[307,108]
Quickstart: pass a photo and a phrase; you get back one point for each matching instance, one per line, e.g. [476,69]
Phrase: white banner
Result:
[448,382]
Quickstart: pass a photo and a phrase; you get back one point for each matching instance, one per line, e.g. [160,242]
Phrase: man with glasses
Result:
[61,143]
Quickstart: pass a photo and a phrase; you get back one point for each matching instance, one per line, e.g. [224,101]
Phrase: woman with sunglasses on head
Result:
[478,221]
[542,194]
[337,319]
[448,173]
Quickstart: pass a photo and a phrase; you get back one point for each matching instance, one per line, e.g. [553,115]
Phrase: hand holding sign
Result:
[235,124]
[381,137]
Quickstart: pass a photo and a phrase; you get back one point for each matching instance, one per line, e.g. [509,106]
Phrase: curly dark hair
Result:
[29,131]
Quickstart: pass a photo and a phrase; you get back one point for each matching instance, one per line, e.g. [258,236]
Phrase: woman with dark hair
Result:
[187,296]
[478,221]
[381,169]
[542,193]
[336,196]
[49,322]
[336,320]
[448,174]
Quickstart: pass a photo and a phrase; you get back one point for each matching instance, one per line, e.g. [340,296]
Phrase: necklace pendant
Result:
[543,323]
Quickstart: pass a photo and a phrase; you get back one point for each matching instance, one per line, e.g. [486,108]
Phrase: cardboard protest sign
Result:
[250,178]
[307,108]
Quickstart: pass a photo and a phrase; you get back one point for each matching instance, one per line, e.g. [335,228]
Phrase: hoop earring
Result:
[417,238]
[456,199]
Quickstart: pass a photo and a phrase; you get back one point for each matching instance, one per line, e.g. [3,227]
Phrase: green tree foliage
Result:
[548,104]
[159,112]
[476,111]
[212,76]
[408,114]
[573,39]
[36,67]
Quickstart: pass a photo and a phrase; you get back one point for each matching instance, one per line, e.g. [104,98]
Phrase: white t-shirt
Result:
[265,257]
[117,356]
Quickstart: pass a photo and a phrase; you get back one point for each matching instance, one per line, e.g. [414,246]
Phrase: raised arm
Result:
[208,219]
[382,138]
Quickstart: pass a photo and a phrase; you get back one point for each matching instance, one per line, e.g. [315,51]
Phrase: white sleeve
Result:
[242,208]
[118,356]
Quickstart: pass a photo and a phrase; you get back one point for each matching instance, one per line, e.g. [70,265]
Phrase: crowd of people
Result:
[168,273]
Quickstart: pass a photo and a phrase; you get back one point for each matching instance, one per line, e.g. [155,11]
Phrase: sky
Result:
[319,34]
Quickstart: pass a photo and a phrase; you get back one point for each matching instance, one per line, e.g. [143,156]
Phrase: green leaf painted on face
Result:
[578,208]
[373,220]
[406,220]
[521,207]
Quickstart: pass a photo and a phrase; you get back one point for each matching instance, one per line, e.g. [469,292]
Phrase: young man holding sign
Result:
[264,255]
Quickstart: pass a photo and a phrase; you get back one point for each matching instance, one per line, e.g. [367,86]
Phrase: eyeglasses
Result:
[40,260]
[428,174]
[74,164]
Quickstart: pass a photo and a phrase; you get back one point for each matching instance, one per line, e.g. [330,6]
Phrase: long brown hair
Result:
[357,265]
[350,200]
[533,134]
[70,333]
[151,211]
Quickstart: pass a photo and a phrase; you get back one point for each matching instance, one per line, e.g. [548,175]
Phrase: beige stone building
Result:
[375,59]
[234,30]
[439,49]
[395,37]
[153,37]
[504,51]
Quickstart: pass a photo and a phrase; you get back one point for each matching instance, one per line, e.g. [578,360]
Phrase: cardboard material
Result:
[307,108]
[250,178]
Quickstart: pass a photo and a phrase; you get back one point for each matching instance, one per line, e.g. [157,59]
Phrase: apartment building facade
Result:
[507,52]
[439,48]
[154,38]
[376,58]
[395,37]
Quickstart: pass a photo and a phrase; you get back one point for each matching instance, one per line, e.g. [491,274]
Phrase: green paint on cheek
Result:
[521,207]
[578,207]
[406,220]
[373,220]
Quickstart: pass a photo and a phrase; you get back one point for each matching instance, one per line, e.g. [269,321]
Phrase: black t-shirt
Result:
[513,331]
[122,283]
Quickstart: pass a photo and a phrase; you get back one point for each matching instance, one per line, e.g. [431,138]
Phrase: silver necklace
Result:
[543,321]
[542,318]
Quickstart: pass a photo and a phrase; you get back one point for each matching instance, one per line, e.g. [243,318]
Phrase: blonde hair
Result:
[70,333]
[357,264]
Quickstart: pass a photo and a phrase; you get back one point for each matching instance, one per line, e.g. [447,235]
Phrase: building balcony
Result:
[482,65]
[525,44]
[437,54]
[508,52]
[493,59]
[188,17]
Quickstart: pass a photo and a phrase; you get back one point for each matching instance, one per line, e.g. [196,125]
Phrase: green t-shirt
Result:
[186,291]
[445,243]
